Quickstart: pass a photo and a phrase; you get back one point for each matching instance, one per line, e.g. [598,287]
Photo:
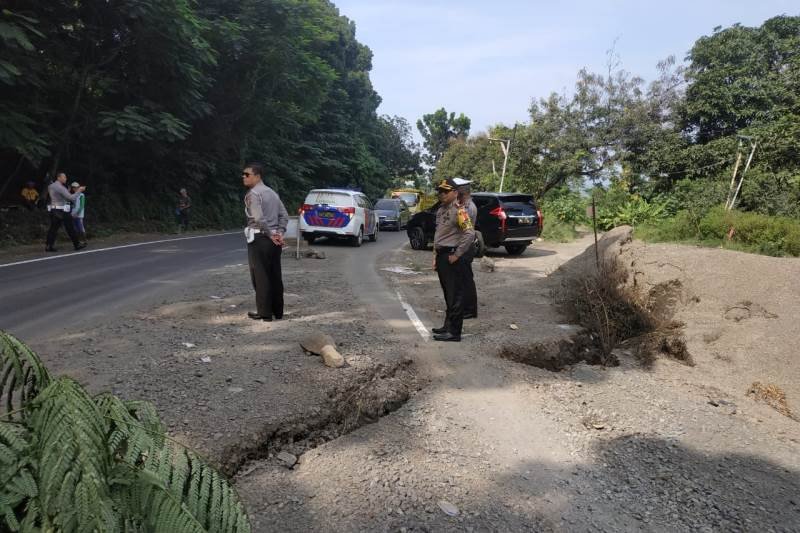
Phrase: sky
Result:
[489,59]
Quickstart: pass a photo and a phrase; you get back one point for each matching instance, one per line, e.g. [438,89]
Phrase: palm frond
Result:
[22,376]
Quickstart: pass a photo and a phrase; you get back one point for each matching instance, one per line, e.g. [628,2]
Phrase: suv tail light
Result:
[348,210]
[541,217]
[306,207]
[501,214]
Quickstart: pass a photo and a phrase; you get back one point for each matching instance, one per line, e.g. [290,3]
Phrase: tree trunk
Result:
[63,142]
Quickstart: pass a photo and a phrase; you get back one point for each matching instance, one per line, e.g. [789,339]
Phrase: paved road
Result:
[39,298]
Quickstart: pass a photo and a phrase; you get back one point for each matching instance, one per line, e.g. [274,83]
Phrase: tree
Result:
[142,97]
[397,150]
[437,129]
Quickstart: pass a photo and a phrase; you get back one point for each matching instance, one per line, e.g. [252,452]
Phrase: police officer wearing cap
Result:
[453,238]
[471,293]
[60,207]
[266,223]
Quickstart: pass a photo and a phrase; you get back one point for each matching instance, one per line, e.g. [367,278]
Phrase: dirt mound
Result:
[599,291]
[738,310]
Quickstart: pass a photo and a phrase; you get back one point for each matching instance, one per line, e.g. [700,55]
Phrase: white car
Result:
[338,213]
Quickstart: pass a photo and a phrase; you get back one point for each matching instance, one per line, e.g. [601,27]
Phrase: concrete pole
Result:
[505,146]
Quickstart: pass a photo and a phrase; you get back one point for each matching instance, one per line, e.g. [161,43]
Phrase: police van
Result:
[340,214]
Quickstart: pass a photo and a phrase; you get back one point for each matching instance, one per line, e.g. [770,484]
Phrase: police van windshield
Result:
[409,198]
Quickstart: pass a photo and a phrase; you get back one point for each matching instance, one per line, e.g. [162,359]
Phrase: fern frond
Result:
[71,463]
[22,376]
[134,427]
[199,489]
[17,484]
[73,458]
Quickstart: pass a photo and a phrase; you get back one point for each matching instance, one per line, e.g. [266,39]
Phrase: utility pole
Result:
[753,143]
[504,144]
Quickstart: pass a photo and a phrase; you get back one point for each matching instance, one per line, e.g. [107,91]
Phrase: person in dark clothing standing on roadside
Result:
[184,206]
[470,292]
[266,223]
[454,236]
[59,206]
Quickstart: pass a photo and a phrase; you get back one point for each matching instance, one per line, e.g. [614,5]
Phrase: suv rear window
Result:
[337,199]
[518,205]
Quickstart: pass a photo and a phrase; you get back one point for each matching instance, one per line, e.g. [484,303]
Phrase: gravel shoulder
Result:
[462,440]
[230,387]
[492,445]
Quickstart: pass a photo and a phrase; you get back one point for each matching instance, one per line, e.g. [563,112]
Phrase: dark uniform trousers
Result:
[470,292]
[56,219]
[451,277]
[264,257]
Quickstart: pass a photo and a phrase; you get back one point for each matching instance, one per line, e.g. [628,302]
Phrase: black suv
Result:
[511,220]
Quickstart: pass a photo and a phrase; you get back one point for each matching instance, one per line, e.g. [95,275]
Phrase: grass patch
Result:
[559,231]
[734,230]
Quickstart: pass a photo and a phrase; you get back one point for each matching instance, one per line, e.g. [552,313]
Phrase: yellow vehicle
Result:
[416,199]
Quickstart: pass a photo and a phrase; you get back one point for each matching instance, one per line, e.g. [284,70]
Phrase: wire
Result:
[687,171]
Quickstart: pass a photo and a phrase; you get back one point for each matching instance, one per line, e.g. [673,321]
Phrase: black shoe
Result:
[467,316]
[439,331]
[256,316]
[80,246]
[447,337]
[50,249]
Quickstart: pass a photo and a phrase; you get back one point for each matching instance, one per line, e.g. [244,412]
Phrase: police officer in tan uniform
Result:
[453,238]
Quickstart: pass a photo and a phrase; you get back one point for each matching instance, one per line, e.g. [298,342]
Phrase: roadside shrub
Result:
[752,232]
[566,206]
[636,211]
[71,462]
[558,231]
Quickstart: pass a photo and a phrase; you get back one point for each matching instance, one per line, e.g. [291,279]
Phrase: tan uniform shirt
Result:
[452,230]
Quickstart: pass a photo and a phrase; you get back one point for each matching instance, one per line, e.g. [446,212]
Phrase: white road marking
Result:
[412,316]
[51,257]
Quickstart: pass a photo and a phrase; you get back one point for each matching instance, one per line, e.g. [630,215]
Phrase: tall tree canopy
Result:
[141,97]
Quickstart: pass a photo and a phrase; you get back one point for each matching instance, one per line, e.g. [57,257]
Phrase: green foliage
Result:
[70,462]
[672,141]
[143,97]
[438,129]
[752,232]
[634,212]
[559,231]
[470,159]
[565,205]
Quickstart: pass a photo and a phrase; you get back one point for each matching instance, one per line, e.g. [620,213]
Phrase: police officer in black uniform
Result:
[453,238]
